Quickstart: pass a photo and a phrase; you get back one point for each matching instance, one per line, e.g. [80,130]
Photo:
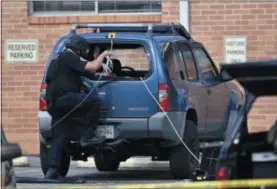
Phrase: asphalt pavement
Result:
[132,175]
[92,177]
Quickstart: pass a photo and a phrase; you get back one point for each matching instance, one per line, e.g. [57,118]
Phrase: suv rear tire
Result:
[65,163]
[106,164]
[182,163]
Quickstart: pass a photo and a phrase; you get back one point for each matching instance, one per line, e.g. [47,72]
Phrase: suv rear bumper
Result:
[157,126]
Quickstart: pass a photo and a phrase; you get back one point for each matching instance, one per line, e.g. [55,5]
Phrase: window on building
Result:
[129,7]
[94,7]
[63,6]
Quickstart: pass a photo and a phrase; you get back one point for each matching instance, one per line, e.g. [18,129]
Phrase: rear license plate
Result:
[106,131]
[264,157]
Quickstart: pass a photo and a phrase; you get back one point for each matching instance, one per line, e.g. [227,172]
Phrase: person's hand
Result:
[102,56]
[99,61]
[106,53]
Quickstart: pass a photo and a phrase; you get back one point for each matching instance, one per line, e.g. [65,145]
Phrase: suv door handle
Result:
[209,91]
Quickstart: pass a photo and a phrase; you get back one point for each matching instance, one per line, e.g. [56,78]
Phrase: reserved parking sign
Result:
[21,51]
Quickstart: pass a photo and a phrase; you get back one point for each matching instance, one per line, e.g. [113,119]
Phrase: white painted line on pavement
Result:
[27,171]
[130,163]
[21,162]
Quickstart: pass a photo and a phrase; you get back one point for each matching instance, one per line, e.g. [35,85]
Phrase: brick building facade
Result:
[208,21]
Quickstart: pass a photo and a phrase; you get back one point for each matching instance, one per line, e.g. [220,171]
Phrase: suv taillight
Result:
[164,97]
[222,174]
[42,101]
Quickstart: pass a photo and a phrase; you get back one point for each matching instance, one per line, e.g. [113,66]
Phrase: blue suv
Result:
[166,92]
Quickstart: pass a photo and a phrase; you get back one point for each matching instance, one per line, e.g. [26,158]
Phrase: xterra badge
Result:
[138,109]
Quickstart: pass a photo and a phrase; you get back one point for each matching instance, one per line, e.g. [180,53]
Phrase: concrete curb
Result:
[21,162]
[130,163]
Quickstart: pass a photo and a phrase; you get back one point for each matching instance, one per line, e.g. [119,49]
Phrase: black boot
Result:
[52,173]
[89,138]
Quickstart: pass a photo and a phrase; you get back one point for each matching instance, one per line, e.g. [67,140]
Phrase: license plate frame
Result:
[107,131]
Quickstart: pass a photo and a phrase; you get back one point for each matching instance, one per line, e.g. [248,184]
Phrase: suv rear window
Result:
[169,59]
[131,61]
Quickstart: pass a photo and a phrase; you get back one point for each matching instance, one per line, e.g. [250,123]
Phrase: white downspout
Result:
[184,13]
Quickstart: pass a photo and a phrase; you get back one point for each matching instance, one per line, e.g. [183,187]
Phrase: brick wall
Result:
[135,58]
[1,71]
[209,22]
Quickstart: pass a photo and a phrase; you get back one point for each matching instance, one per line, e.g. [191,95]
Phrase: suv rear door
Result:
[193,83]
[218,94]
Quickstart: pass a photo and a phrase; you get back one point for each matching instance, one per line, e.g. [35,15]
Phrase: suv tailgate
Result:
[127,99]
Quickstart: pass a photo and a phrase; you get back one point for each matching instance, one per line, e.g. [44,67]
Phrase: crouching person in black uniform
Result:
[63,95]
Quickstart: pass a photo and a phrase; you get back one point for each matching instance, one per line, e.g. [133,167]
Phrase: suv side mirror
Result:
[10,151]
[224,76]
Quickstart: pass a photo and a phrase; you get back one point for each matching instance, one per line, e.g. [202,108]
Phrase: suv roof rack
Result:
[164,28]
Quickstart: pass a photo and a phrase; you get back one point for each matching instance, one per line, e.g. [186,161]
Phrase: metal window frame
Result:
[82,13]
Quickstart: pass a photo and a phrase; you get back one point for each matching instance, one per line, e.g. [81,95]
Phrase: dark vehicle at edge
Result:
[9,151]
[250,155]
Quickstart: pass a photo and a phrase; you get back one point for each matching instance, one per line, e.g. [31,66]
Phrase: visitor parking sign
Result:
[21,51]
[235,49]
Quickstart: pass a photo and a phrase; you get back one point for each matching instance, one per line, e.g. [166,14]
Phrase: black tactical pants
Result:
[87,115]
